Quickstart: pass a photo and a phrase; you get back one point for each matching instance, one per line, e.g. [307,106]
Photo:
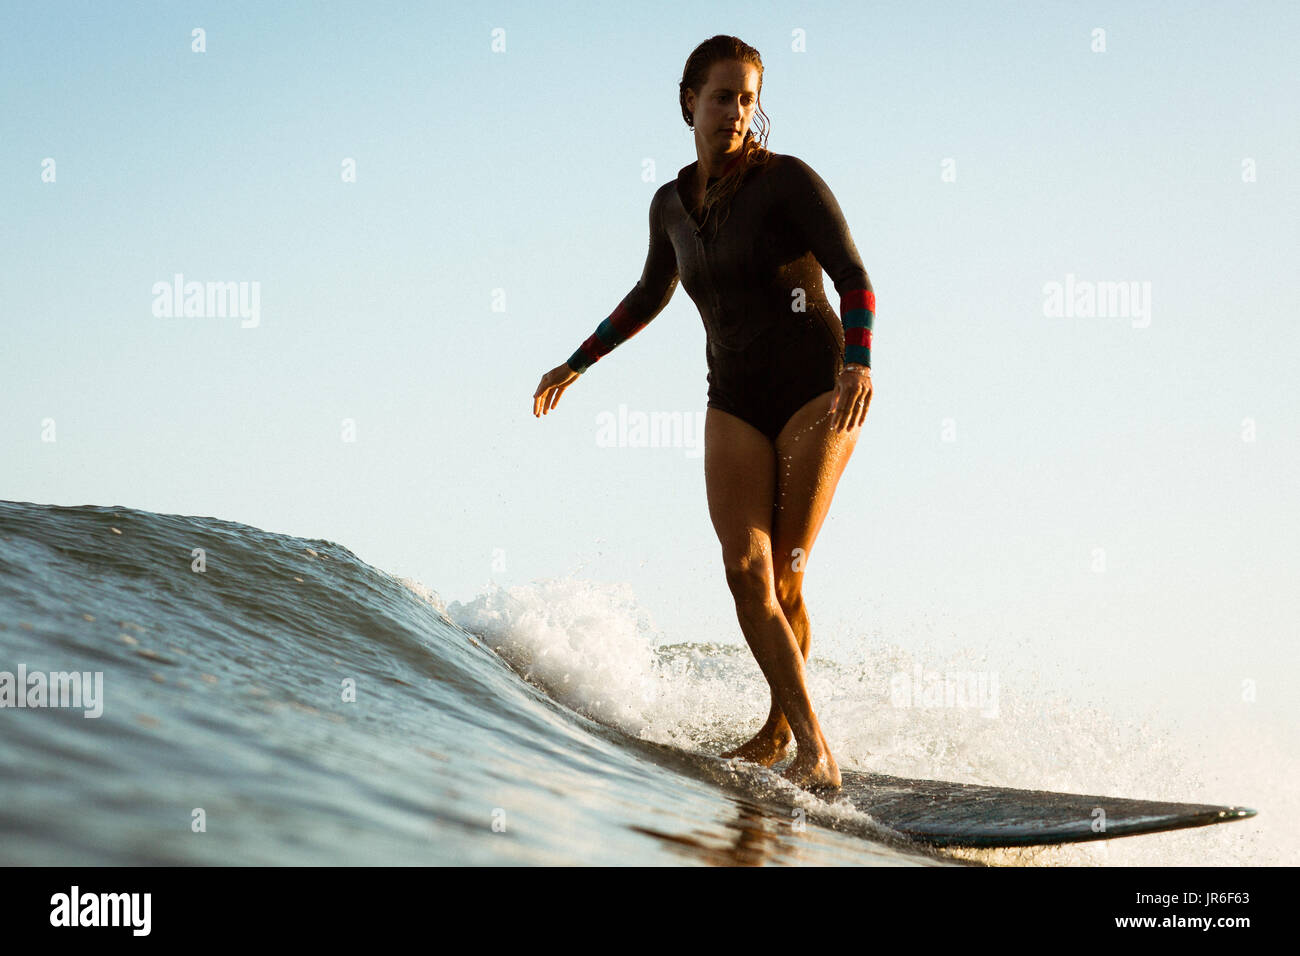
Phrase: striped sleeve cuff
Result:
[857,310]
[611,332]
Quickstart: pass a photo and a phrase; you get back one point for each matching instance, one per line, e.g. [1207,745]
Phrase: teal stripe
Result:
[578,361]
[858,318]
[857,355]
[606,333]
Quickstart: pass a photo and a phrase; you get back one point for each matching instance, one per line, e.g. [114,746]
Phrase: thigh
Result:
[801,363]
[810,458]
[740,479]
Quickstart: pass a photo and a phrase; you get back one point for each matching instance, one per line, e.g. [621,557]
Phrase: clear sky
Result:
[1112,492]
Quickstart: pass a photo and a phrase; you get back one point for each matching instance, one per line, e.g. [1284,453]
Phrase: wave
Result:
[274,699]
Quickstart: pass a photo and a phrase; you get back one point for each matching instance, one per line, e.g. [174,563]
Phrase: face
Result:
[725,107]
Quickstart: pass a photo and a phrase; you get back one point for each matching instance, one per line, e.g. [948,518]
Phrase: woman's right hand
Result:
[552,387]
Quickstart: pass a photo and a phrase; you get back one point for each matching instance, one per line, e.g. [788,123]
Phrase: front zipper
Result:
[708,273]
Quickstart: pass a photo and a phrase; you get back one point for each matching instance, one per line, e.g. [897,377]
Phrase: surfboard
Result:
[943,813]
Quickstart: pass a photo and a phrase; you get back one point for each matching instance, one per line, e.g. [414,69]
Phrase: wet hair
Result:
[720,49]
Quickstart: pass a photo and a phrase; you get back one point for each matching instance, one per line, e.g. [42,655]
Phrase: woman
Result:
[748,232]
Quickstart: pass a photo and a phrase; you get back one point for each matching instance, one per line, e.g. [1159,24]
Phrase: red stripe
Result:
[618,320]
[857,337]
[858,299]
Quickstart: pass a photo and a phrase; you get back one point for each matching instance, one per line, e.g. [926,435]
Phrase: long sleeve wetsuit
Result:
[773,340]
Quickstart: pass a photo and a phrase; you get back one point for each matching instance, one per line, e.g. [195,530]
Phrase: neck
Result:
[717,164]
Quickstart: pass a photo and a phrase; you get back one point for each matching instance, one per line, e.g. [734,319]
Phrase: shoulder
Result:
[661,196]
[793,168]
[798,183]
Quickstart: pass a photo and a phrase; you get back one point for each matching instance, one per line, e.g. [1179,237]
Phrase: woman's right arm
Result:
[646,300]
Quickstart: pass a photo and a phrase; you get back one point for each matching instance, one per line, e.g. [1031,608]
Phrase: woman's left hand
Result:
[852,397]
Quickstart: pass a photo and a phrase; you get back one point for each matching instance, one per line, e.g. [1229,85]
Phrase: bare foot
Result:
[814,772]
[765,748]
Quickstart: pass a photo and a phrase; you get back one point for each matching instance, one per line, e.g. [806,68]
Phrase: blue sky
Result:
[519,173]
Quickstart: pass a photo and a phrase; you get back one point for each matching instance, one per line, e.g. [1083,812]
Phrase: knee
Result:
[789,579]
[789,592]
[750,578]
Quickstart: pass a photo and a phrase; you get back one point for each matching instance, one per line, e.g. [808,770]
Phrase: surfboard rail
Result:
[947,813]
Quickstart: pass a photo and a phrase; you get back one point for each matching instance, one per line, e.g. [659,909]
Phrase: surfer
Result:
[748,231]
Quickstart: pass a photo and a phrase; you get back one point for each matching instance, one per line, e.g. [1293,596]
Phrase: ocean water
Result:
[267,699]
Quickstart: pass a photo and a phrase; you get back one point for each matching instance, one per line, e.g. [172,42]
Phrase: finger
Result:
[541,396]
[841,405]
[851,410]
[845,420]
[555,395]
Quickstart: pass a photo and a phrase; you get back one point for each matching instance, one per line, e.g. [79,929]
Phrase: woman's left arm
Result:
[816,218]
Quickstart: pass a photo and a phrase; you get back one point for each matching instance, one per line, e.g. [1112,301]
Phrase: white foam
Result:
[594,649]
[427,594]
[581,643]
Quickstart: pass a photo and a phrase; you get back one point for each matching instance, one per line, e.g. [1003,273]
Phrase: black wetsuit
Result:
[773,340]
